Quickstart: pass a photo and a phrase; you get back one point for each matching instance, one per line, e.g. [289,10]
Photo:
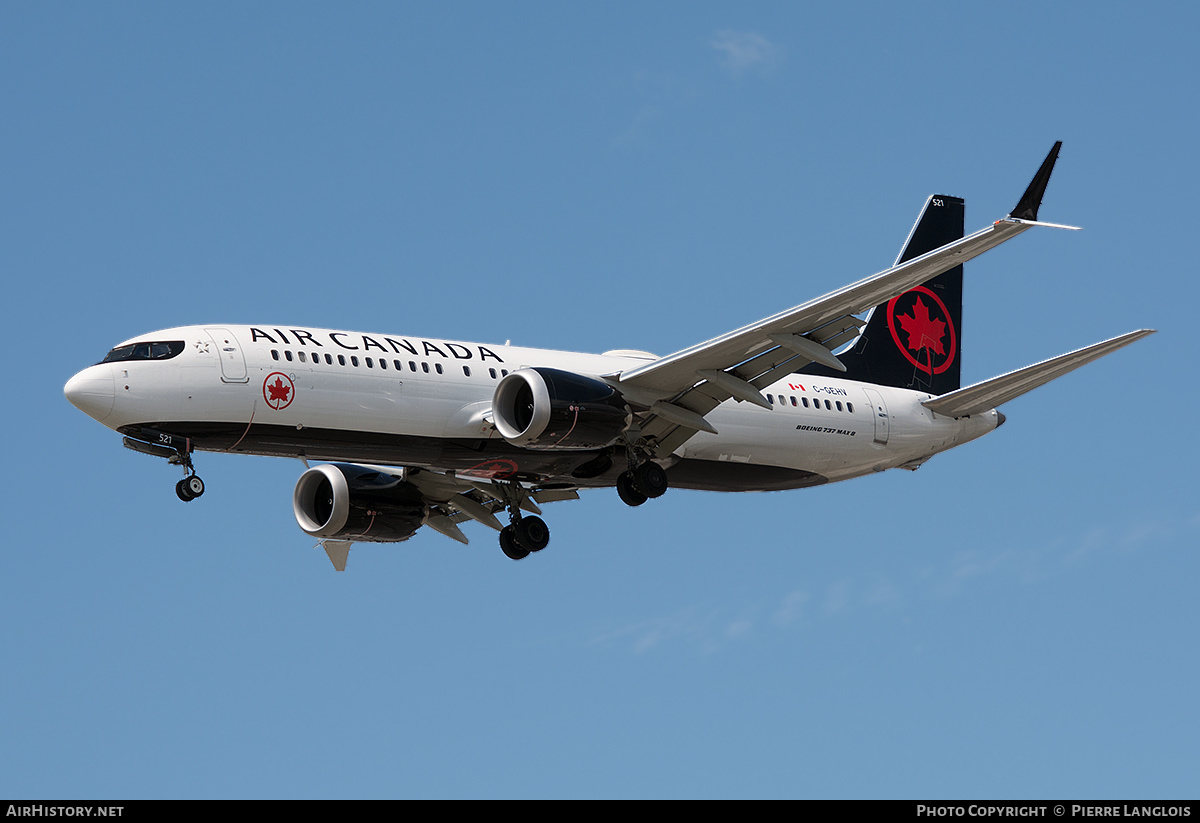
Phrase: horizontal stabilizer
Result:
[991,393]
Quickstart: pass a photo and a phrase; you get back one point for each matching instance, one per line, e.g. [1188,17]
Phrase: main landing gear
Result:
[524,534]
[642,482]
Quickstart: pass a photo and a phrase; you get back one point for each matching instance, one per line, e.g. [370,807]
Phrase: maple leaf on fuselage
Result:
[923,332]
[277,390]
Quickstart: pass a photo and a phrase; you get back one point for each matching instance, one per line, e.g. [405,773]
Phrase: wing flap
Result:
[991,393]
[442,524]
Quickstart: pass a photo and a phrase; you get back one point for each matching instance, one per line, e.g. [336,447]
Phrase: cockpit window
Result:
[144,351]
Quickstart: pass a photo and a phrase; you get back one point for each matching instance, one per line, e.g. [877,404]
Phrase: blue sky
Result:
[1016,619]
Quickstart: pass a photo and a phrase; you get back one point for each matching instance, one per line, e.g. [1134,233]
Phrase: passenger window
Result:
[354,360]
[793,401]
[467,371]
[804,400]
[425,368]
[399,366]
[850,408]
[412,365]
[303,359]
[329,359]
[341,359]
[828,406]
[288,355]
[370,363]
[771,399]
[438,366]
[839,405]
[492,372]
[274,354]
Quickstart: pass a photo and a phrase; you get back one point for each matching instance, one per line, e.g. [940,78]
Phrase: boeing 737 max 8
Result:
[436,432]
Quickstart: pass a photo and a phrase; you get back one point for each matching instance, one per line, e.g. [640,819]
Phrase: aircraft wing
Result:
[679,389]
[991,393]
[453,500]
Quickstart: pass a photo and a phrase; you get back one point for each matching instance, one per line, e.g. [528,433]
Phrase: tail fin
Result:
[914,341]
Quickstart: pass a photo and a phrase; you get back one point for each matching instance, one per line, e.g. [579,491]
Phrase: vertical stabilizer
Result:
[914,341]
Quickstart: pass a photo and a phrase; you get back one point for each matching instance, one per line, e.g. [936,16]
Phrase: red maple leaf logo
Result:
[934,337]
[492,468]
[923,332]
[278,392]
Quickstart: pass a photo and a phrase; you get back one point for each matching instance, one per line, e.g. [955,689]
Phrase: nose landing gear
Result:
[189,488]
[177,451]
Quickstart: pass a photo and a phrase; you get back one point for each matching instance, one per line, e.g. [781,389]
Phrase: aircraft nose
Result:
[92,391]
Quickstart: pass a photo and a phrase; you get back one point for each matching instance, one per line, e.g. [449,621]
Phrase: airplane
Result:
[430,432]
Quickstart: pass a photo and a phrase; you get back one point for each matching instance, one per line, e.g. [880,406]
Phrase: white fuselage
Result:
[332,395]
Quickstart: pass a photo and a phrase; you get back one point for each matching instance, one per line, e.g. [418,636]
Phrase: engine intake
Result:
[347,502]
[543,408]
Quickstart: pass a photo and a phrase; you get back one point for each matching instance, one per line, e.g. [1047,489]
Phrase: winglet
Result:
[1031,200]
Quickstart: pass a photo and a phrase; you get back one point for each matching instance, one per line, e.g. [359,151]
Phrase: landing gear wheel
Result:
[194,485]
[189,488]
[532,533]
[651,479]
[627,492]
[509,545]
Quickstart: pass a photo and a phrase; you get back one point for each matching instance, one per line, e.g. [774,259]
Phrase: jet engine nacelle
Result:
[342,501]
[542,408]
